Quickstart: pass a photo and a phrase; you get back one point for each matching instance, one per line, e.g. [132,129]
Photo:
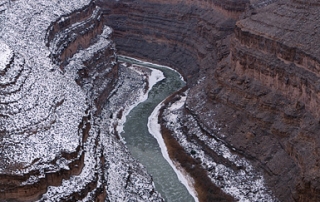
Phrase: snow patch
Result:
[245,184]
[153,78]
[146,64]
[155,129]
[5,55]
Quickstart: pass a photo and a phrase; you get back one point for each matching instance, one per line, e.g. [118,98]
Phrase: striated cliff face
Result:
[252,68]
[37,150]
[58,67]
[246,127]
[272,87]
[178,34]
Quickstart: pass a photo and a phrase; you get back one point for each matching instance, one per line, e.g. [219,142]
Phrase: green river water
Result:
[144,146]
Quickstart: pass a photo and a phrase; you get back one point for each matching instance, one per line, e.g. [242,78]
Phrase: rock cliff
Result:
[58,67]
[271,87]
[252,69]
[249,127]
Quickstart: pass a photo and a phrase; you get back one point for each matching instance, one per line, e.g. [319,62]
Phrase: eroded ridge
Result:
[208,156]
[58,67]
[37,103]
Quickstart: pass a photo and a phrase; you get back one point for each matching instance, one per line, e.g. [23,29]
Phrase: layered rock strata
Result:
[37,149]
[253,83]
[174,33]
[210,162]
[270,87]
[58,67]
[249,126]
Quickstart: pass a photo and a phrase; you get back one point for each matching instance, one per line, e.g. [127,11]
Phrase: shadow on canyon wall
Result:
[260,76]
[258,63]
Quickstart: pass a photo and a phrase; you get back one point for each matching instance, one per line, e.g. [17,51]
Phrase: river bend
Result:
[144,146]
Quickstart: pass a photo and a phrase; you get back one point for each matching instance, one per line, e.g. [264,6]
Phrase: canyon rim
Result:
[245,127]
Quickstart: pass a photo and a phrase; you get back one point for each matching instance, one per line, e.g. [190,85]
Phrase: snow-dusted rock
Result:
[58,67]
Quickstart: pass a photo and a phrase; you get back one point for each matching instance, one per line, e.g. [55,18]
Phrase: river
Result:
[143,146]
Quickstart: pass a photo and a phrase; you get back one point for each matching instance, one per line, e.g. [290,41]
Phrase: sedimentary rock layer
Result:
[58,67]
[172,33]
[274,71]
[250,121]
[37,150]
[253,83]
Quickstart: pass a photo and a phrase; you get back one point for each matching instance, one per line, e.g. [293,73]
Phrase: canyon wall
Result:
[271,85]
[37,150]
[252,68]
[58,67]
[250,121]
[178,34]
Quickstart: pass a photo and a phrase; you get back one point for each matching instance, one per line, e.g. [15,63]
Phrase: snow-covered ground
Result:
[39,99]
[124,178]
[5,56]
[128,94]
[43,108]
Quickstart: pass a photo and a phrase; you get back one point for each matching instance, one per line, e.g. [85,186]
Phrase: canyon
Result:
[247,124]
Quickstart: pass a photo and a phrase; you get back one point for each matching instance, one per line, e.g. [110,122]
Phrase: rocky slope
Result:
[179,34]
[58,67]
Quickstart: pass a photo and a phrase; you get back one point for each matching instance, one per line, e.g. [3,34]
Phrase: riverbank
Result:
[155,128]
[125,177]
[203,157]
[150,78]
[191,167]
[144,144]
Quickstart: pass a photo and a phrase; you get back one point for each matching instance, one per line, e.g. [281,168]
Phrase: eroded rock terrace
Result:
[252,68]
[57,69]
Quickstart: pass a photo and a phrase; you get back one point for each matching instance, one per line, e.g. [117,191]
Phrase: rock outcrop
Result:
[58,67]
[37,150]
[182,35]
